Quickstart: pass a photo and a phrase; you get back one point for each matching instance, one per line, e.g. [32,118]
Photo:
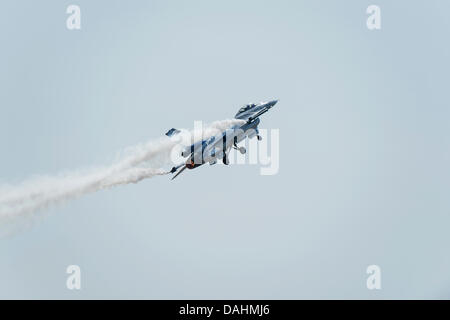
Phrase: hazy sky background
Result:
[364,148]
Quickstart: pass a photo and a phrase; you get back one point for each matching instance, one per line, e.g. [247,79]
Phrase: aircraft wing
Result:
[218,143]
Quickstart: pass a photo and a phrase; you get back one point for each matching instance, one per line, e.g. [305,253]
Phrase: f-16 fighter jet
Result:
[218,146]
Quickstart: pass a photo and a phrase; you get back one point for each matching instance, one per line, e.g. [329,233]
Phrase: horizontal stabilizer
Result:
[180,171]
[172,132]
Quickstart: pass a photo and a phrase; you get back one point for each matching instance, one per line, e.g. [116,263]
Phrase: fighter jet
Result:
[218,146]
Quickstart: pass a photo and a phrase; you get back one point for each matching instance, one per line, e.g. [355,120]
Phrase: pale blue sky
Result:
[364,148]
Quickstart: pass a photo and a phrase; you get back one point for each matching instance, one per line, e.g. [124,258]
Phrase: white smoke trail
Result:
[133,175]
[141,162]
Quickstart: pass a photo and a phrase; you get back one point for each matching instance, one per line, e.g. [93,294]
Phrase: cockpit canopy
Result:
[246,107]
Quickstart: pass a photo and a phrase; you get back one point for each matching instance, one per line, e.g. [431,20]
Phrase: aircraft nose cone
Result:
[272,103]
